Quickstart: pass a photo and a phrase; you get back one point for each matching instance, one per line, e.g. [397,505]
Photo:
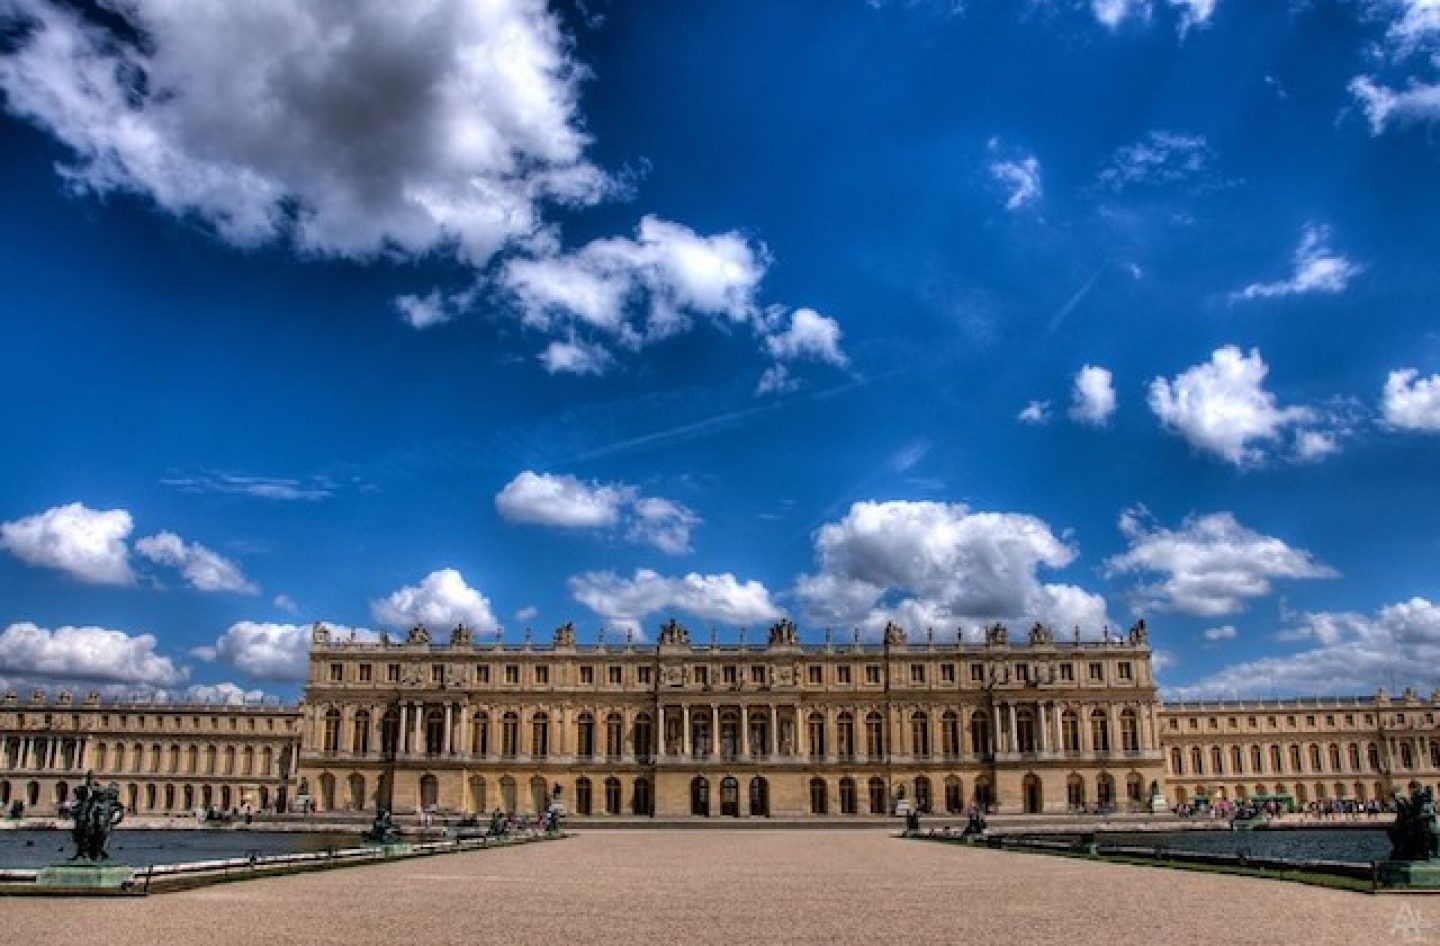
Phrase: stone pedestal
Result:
[86,876]
[1415,875]
[1158,804]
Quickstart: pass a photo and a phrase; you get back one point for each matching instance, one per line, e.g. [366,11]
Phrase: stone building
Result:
[167,757]
[743,730]
[1310,749]
[684,728]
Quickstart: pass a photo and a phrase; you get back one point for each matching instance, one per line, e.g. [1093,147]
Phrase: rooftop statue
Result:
[461,636]
[418,635]
[96,811]
[1040,634]
[784,633]
[565,635]
[673,632]
[319,633]
[1139,634]
[997,633]
[894,634]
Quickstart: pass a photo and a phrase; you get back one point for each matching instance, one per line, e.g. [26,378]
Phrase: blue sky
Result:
[517,314]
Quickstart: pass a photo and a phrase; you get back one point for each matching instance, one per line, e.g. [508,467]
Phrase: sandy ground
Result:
[674,887]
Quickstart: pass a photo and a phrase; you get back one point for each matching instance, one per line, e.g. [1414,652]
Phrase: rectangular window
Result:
[437,673]
[842,674]
[542,675]
[1126,672]
[757,675]
[817,674]
[392,673]
[1067,673]
[337,673]
[482,673]
[615,674]
[642,674]
[1310,721]
[1252,722]
[512,674]
[587,675]
[1022,673]
[1097,670]
[917,673]
[947,673]
[872,674]
[365,673]
[977,673]
[730,674]
[702,676]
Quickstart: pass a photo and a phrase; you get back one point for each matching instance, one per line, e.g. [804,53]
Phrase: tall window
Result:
[1070,730]
[1130,731]
[920,735]
[331,738]
[644,736]
[1025,731]
[583,801]
[819,797]
[612,796]
[539,735]
[360,735]
[980,733]
[585,736]
[1099,731]
[509,735]
[817,734]
[845,736]
[614,735]
[950,734]
[1177,761]
[848,801]
[480,735]
[874,735]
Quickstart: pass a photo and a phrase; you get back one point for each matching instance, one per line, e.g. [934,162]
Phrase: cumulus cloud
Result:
[88,654]
[574,356]
[1382,105]
[353,130]
[1225,632]
[1192,13]
[562,501]
[269,651]
[941,564]
[1161,158]
[202,568]
[1411,402]
[1397,646]
[1092,400]
[1035,413]
[1021,180]
[85,543]
[1318,268]
[1211,566]
[441,600]
[809,335]
[427,311]
[625,602]
[1222,407]
[776,379]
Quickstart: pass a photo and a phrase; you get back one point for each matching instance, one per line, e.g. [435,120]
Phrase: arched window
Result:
[192,761]
[1070,731]
[922,794]
[247,761]
[330,731]
[845,737]
[645,738]
[229,760]
[434,732]
[1024,730]
[612,796]
[390,732]
[954,795]
[816,731]
[1334,754]
[1237,760]
[614,735]
[510,737]
[950,734]
[874,735]
[137,759]
[920,735]
[1315,764]
[1296,765]
[1372,759]
[980,734]
[877,796]
[1257,760]
[583,801]
[1105,790]
[819,797]
[585,736]
[1075,791]
[641,801]
[1099,731]
[849,804]
[1129,731]
[1407,755]
[1217,759]
[1353,753]
[360,733]
[1177,761]
[759,797]
[480,735]
[267,761]
[1276,766]
[1197,761]
[1135,790]
[155,761]
[700,796]
[539,735]
[210,756]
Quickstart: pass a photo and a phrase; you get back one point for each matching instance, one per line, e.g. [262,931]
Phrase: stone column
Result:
[24,752]
[1014,728]
[402,729]
[996,732]
[1042,734]
[714,731]
[685,731]
[449,729]
[80,754]
[417,733]
[802,733]
[1057,714]
[744,730]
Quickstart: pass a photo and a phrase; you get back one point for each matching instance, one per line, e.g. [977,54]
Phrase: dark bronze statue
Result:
[1415,835]
[382,829]
[96,811]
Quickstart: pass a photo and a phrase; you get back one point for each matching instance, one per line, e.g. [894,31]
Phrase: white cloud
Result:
[1212,565]
[562,501]
[226,693]
[574,356]
[549,499]
[285,603]
[353,130]
[1036,413]
[427,311]
[85,543]
[1398,646]
[94,654]
[625,602]
[810,335]
[271,651]
[1381,104]
[1021,179]
[1318,268]
[1161,158]
[259,487]
[1313,445]
[527,613]
[776,380]
[1225,632]
[203,569]
[1222,407]
[1193,13]
[630,293]
[1092,401]
[441,600]
[941,564]
[1412,402]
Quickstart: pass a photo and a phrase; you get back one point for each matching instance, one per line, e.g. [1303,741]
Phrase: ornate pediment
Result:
[418,635]
[674,633]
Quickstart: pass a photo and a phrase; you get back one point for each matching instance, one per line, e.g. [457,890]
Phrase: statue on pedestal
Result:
[1415,835]
[382,829]
[96,812]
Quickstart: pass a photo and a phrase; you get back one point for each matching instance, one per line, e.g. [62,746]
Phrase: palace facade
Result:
[682,728]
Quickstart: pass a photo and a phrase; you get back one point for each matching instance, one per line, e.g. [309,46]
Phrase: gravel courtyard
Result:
[677,887]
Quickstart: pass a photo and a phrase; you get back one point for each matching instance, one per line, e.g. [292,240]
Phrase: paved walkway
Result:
[820,887]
